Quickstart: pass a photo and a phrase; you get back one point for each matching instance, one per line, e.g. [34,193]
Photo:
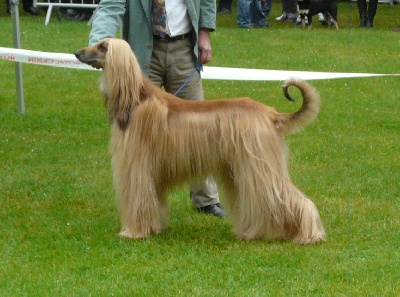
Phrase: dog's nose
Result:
[78,54]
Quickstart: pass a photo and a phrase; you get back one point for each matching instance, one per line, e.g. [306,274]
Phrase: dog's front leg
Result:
[303,21]
[309,21]
[142,210]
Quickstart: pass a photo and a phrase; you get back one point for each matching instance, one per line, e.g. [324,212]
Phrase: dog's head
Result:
[121,81]
[94,55]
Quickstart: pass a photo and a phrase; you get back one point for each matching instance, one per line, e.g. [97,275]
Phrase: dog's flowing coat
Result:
[159,141]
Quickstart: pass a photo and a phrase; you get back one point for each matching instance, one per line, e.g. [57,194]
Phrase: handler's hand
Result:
[204,46]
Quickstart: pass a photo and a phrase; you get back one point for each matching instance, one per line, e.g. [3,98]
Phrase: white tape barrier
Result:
[42,58]
[69,61]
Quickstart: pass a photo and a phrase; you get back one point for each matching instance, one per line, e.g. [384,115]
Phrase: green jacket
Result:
[137,26]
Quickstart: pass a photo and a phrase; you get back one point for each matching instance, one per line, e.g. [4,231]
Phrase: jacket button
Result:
[146,66]
[149,46]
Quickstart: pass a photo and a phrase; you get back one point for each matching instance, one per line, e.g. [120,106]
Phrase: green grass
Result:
[58,220]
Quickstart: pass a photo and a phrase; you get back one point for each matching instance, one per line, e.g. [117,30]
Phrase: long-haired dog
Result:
[159,141]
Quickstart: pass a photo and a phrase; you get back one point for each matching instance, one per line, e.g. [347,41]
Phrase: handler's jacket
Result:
[137,27]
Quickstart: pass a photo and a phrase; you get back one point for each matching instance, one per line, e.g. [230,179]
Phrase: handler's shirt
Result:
[177,20]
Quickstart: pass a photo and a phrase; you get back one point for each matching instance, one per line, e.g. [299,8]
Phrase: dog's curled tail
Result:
[290,123]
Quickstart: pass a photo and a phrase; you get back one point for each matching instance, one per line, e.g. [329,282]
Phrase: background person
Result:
[253,13]
[289,11]
[367,12]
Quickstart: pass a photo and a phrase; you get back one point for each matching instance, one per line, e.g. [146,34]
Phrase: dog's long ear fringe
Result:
[124,80]
[295,122]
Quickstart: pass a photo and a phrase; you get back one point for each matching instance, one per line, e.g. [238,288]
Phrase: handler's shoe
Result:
[214,209]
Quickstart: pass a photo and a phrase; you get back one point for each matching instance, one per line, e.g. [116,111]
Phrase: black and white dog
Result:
[308,8]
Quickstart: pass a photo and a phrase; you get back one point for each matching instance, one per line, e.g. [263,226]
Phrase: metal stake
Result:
[18,65]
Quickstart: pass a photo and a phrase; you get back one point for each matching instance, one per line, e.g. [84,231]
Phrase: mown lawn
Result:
[59,223]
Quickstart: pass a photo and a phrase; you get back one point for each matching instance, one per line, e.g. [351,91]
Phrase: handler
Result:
[171,41]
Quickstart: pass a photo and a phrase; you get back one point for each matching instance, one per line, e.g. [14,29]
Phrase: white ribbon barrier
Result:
[42,58]
[69,61]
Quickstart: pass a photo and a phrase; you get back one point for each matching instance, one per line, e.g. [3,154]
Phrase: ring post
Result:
[18,65]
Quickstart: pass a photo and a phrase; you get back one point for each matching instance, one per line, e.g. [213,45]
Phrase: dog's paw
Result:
[125,234]
[315,238]
[128,234]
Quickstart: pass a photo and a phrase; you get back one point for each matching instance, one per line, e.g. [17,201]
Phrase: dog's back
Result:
[317,6]
[286,123]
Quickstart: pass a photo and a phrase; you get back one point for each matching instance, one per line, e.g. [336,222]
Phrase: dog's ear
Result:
[115,112]
[123,80]
[102,46]
[123,117]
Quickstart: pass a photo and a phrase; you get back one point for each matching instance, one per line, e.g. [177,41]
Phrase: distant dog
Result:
[159,141]
[309,8]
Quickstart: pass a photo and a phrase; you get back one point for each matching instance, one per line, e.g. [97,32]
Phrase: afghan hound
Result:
[159,141]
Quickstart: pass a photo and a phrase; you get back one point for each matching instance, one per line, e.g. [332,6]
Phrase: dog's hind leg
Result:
[256,212]
[328,18]
[257,170]
[334,15]
[335,23]
[302,219]
[273,208]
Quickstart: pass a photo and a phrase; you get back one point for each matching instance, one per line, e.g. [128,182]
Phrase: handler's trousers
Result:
[173,65]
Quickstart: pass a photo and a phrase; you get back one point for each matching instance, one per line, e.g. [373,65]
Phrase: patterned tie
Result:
[159,18]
